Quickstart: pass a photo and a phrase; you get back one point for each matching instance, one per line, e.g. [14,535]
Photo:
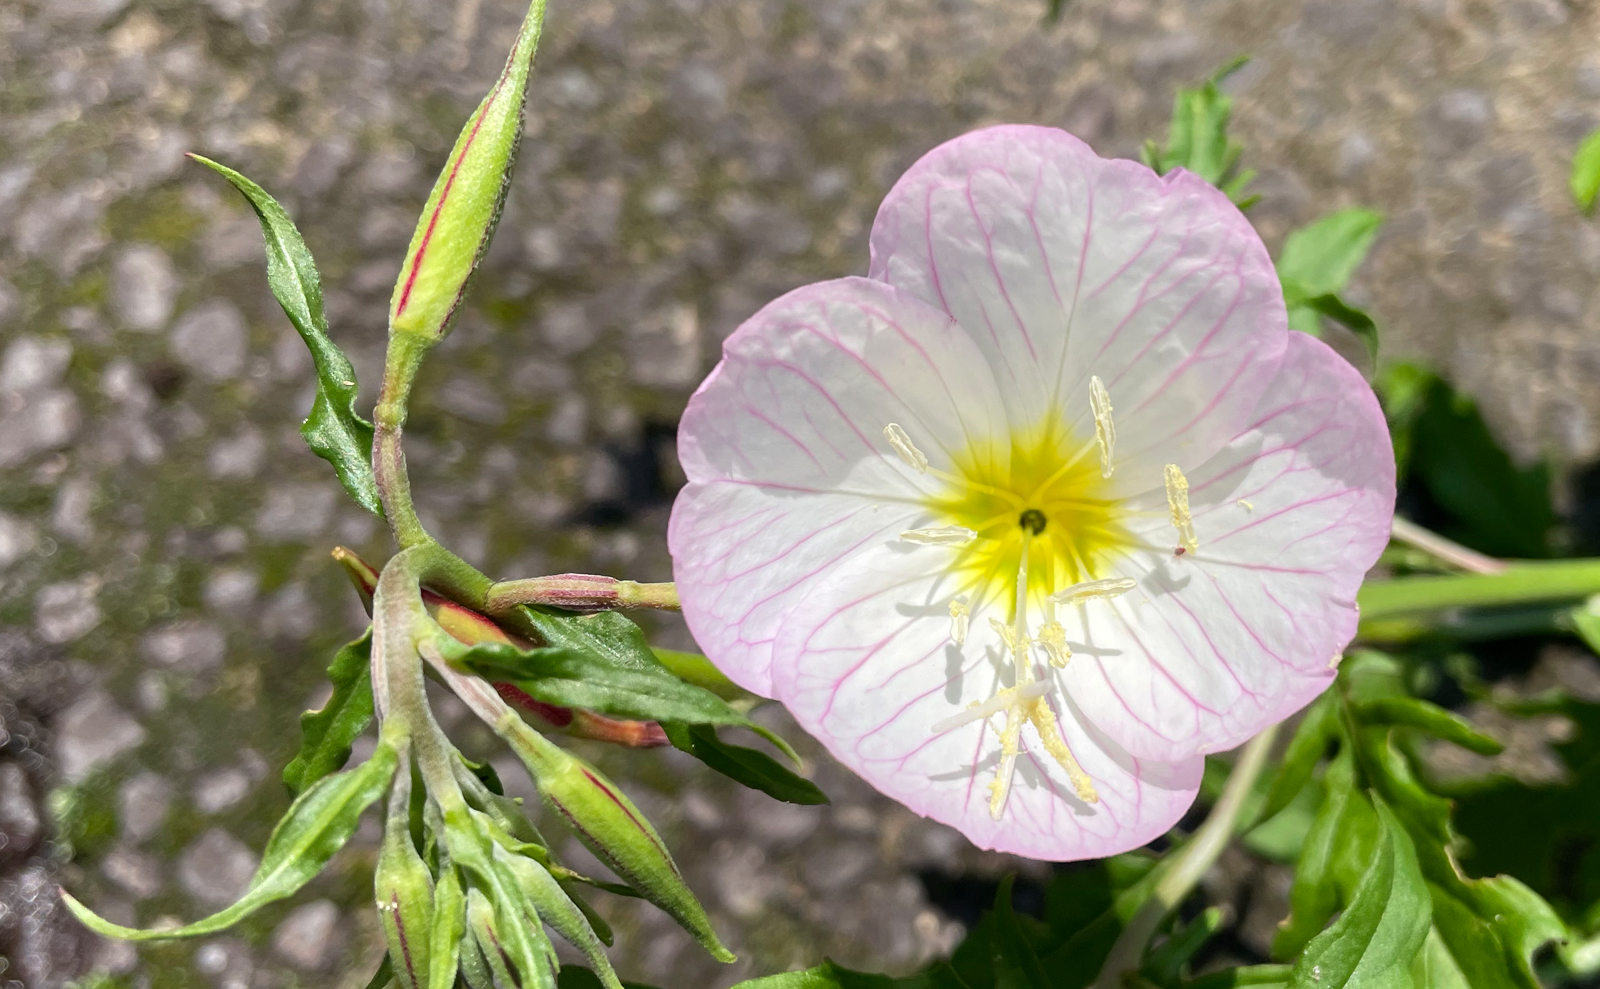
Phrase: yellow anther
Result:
[1107,588]
[1105,430]
[1178,501]
[1044,722]
[1054,640]
[1015,643]
[905,448]
[944,535]
[1247,506]
[960,618]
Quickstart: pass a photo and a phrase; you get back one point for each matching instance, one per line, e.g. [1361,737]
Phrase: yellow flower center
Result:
[1045,485]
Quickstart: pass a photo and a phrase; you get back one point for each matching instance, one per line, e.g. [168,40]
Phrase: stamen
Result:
[1105,430]
[1108,588]
[1054,640]
[944,535]
[905,448]
[1008,635]
[1178,501]
[1001,701]
[959,619]
[1044,722]
[1010,748]
[1247,506]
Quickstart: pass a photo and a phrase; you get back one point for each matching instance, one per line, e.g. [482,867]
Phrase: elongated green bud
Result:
[486,935]
[556,908]
[445,938]
[611,827]
[404,890]
[459,220]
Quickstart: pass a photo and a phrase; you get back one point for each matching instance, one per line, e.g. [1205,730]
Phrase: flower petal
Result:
[867,666]
[1215,645]
[1063,265]
[789,470]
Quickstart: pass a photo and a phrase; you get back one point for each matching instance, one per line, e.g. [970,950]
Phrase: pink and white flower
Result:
[1044,510]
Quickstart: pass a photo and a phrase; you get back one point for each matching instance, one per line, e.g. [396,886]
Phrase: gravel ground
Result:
[166,596]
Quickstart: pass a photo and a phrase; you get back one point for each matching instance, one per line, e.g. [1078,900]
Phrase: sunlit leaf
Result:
[1320,258]
[334,430]
[750,767]
[316,826]
[327,735]
[1586,172]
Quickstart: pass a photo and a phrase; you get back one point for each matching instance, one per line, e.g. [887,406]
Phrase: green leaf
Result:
[1318,260]
[1198,139]
[1586,172]
[1432,719]
[578,977]
[316,826]
[1586,622]
[326,735]
[602,663]
[1435,968]
[1012,944]
[334,431]
[1336,853]
[1316,730]
[1165,963]
[750,767]
[1375,939]
[1306,312]
[1248,975]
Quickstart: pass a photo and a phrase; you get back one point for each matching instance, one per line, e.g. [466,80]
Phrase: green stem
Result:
[1188,864]
[1519,583]
[401,364]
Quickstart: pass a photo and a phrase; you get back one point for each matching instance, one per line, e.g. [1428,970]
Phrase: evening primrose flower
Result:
[1046,509]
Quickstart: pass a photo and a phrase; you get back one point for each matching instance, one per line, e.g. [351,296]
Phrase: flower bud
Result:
[611,827]
[556,908]
[404,890]
[458,222]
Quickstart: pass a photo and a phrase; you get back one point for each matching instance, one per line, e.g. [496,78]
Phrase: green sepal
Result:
[316,826]
[334,430]
[750,767]
[1410,712]
[1586,172]
[327,735]
[1375,939]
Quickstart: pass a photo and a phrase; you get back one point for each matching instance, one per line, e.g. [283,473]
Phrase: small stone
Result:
[143,802]
[67,611]
[84,12]
[216,869]
[91,732]
[231,589]
[189,645]
[69,516]
[45,422]
[32,363]
[217,791]
[211,340]
[20,823]
[665,347]
[17,539]
[226,962]
[567,328]
[1460,119]
[473,400]
[296,512]
[775,824]
[544,248]
[1356,154]
[567,424]
[838,866]
[144,288]
[575,89]
[237,456]
[306,938]
[138,874]
[289,614]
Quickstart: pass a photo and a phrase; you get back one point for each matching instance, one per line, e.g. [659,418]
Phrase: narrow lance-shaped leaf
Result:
[334,430]
[1338,845]
[403,891]
[316,826]
[1305,750]
[449,927]
[327,735]
[1429,718]
[556,908]
[459,219]
[1373,943]
[750,767]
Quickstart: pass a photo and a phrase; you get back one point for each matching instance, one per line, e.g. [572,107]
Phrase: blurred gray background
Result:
[167,602]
